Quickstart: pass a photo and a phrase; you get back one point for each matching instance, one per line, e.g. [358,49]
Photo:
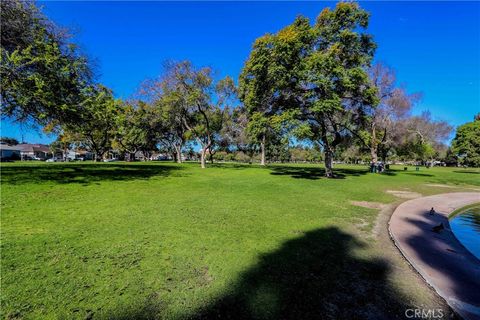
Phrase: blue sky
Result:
[434,46]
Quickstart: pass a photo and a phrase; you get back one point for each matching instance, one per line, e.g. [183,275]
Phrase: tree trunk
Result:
[178,149]
[328,163]
[373,154]
[373,146]
[147,155]
[98,156]
[262,151]
[202,158]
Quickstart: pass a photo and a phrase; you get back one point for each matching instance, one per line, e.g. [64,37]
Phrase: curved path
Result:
[439,257]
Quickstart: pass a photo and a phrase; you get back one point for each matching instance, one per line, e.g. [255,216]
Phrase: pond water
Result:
[466,227]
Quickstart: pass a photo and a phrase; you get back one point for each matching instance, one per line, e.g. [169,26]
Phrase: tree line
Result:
[308,92]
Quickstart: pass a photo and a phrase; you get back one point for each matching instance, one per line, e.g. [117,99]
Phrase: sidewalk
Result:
[439,257]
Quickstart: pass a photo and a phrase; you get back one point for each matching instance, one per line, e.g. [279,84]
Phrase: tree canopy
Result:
[315,73]
[43,75]
[307,89]
[466,144]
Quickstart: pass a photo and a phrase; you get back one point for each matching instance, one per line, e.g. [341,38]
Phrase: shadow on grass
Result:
[314,276]
[469,172]
[314,173]
[82,173]
[419,174]
[151,309]
[233,165]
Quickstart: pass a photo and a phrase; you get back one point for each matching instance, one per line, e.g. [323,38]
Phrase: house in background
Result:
[84,155]
[79,155]
[161,157]
[34,151]
[140,156]
[8,153]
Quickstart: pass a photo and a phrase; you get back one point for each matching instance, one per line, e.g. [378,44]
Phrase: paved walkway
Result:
[441,260]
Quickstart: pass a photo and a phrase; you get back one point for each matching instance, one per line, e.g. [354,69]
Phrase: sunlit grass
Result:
[142,240]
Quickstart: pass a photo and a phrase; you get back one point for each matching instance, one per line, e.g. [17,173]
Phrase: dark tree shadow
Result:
[233,165]
[318,275]
[467,171]
[314,173]
[151,309]
[82,173]
[391,172]
[315,276]
[419,174]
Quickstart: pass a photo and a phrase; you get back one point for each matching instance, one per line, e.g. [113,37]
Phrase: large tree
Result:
[424,137]
[385,124]
[269,78]
[336,82]
[225,100]
[199,100]
[166,106]
[172,134]
[466,144]
[256,91]
[42,73]
[323,74]
[135,129]
[96,127]
[234,135]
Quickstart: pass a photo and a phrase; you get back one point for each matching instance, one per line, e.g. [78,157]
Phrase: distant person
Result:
[432,211]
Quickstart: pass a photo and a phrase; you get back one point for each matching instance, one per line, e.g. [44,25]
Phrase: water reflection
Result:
[466,227]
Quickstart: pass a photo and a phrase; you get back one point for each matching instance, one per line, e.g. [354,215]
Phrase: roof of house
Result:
[8,147]
[27,147]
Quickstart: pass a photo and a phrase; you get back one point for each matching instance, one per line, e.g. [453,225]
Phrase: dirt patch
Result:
[204,276]
[440,185]
[404,194]
[381,222]
[362,226]
[370,205]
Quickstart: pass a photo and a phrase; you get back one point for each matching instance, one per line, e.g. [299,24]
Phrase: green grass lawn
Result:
[161,240]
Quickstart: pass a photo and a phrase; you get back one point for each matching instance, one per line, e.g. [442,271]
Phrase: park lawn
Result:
[162,240]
